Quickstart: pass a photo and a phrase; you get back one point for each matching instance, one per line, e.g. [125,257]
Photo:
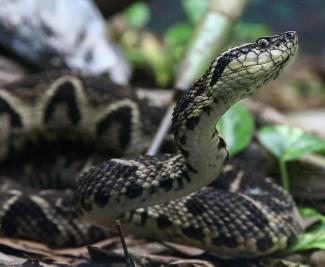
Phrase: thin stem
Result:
[284,174]
[162,131]
[129,261]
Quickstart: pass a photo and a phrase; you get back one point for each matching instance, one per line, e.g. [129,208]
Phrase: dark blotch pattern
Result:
[184,152]
[64,94]
[120,117]
[133,191]
[5,108]
[222,240]
[166,183]
[144,217]
[191,122]
[101,199]
[193,232]
[182,140]
[221,143]
[85,205]
[195,207]
[163,221]
[19,216]
[222,63]
[263,244]
[207,109]
[191,168]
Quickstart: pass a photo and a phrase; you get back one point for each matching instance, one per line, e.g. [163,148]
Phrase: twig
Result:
[128,259]
[162,131]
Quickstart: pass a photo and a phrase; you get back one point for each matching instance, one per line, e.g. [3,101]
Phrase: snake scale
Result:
[192,197]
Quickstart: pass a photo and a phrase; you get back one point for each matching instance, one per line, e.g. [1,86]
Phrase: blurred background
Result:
[168,44]
[166,28]
[260,17]
[306,17]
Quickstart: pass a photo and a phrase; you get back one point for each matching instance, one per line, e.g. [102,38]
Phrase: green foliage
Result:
[178,34]
[288,143]
[194,9]
[151,53]
[237,127]
[314,238]
[169,50]
[246,31]
[308,212]
[176,38]
[138,15]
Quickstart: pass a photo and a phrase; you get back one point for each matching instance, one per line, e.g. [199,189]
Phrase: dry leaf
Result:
[192,263]
[186,250]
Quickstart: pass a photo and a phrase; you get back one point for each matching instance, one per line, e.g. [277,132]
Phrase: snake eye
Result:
[263,43]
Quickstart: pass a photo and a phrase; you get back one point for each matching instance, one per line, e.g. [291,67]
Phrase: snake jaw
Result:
[241,70]
[280,48]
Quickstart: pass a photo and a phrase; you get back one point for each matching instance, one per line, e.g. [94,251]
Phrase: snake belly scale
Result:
[154,196]
[177,197]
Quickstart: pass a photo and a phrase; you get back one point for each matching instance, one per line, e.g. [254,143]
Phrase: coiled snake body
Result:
[167,197]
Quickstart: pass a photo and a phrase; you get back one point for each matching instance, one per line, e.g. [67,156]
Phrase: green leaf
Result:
[288,143]
[308,212]
[178,34]
[194,9]
[245,31]
[138,14]
[236,126]
[176,39]
[312,239]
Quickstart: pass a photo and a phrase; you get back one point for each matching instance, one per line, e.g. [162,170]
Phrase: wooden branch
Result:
[209,39]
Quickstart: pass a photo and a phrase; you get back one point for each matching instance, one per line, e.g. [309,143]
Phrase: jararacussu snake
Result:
[166,197]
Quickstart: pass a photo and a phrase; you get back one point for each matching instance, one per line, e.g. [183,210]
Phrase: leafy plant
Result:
[167,51]
[288,143]
[194,9]
[237,127]
[246,31]
[138,15]
[176,39]
[313,238]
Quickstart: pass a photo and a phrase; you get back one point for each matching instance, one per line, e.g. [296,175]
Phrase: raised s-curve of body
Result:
[55,125]
[154,196]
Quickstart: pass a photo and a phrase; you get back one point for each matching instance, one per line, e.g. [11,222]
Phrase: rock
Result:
[61,34]
[10,71]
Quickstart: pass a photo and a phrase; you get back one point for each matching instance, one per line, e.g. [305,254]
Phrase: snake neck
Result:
[203,148]
[194,125]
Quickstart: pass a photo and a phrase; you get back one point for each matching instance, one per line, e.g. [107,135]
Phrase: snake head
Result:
[241,70]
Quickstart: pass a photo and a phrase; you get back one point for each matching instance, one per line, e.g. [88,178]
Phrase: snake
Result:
[195,196]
